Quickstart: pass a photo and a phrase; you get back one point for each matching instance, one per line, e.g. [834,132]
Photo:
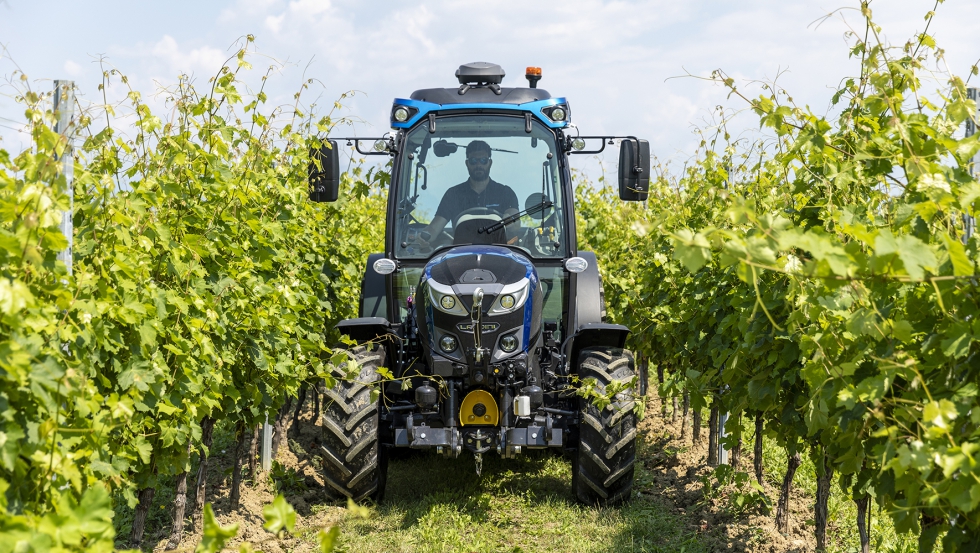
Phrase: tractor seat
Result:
[468,230]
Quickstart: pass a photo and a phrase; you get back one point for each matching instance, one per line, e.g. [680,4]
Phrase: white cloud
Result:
[206,58]
[274,22]
[309,8]
[72,68]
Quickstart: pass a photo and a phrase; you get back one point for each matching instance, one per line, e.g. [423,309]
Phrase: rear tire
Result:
[354,465]
[602,468]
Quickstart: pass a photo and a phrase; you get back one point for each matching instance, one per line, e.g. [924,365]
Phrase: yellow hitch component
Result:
[479,409]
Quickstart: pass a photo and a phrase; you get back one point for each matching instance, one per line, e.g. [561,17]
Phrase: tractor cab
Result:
[481,306]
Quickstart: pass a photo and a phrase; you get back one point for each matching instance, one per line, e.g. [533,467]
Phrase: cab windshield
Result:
[479,179]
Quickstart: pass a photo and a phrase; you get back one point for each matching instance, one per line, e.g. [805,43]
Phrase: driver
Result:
[478,191]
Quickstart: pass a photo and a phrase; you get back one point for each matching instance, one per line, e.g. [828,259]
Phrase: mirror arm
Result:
[357,145]
[603,138]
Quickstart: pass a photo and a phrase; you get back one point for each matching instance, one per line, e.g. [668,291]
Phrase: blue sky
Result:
[612,59]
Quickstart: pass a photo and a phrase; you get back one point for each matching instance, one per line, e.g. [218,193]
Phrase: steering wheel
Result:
[412,237]
[474,212]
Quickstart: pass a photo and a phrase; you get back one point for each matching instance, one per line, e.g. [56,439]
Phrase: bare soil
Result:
[314,509]
[680,473]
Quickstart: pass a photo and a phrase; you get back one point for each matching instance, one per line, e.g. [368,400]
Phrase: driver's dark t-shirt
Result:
[461,197]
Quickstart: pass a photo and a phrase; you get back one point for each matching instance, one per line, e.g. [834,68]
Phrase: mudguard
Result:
[374,295]
[587,301]
[589,308]
[592,335]
[364,329]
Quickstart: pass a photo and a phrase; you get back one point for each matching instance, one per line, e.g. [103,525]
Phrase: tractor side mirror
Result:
[634,170]
[324,172]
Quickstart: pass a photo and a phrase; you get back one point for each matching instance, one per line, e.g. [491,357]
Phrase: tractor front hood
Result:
[511,305]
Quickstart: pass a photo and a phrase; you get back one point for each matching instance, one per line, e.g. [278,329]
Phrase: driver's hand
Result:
[419,237]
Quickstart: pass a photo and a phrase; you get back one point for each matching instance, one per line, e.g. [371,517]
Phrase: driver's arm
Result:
[435,227]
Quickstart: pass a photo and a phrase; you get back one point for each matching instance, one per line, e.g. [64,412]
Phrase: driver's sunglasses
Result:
[480,160]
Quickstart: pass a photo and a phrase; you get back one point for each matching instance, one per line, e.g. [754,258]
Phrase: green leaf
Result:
[279,516]
[214,536]
[14,296]
[328,539]
[916,256]
[143,448]
[864,322]
[962,266]
[95,512]
[358,511]
[902,330]
[692,250]
[10,446]
[958,344]
[4,486]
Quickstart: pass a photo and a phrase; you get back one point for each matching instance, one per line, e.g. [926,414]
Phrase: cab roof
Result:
[480,95]
[480,90]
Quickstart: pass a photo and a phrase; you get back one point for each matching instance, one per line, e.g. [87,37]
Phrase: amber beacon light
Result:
[533,75]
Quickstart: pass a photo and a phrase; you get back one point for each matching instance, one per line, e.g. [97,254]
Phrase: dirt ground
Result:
[675,470]
[296,456]
[679,470]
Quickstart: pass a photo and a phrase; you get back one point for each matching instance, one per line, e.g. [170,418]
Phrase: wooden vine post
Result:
[782,507]
[207,432]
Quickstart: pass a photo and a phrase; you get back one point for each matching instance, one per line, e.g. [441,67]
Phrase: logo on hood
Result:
[484,328]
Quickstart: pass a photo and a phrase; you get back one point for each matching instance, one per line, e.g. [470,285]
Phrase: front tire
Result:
[354,466]
[603,466]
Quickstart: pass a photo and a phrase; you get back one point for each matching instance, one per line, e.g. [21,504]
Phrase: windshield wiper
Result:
[510,219]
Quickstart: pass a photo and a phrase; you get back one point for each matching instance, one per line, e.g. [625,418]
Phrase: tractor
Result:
[481,322]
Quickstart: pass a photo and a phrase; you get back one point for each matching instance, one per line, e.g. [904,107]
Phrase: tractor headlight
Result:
[401,115]
[442,298]
[558,114]
[447,343]
[508,343]
[511,298]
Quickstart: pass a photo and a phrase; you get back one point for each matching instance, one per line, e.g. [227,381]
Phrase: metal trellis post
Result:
[64,110]
[266,445]
[969,223]
[722,452]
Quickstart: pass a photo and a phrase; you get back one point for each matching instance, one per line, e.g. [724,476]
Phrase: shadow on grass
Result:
[420,480]
[526,504]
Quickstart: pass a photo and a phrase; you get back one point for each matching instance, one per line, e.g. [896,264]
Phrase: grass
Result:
[440,505]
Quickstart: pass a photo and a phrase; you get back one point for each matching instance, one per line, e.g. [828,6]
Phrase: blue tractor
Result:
[481,308]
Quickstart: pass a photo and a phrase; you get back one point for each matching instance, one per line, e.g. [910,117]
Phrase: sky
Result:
[621,63]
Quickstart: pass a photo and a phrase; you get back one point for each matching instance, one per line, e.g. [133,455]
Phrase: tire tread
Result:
[350,445]
[604,465]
